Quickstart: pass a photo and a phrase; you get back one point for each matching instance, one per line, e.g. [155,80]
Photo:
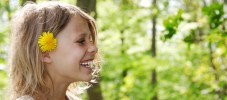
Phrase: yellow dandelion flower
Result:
[47,42]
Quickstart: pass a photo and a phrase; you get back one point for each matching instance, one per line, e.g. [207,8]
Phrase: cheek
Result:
[68,56]
[71,57]
[77,54]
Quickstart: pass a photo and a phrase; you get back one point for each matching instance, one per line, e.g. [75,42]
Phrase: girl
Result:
[53,52]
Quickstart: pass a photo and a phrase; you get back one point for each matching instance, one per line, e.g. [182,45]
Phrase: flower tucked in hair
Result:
[47,42]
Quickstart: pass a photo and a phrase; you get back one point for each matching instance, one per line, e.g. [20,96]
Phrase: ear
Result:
[46,57]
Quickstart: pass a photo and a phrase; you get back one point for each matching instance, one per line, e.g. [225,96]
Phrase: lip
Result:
[87,60]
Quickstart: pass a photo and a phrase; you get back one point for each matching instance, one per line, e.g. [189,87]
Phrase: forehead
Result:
[77,25]
[75,28]
[77,22]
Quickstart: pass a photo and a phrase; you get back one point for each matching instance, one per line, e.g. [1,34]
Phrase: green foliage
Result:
[171,24]
[191,37]
[215,13]
[206,77]
[3,84]
[5,11]
[3,80]
[124,39]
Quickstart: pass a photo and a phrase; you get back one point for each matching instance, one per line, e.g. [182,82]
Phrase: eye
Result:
[81,41]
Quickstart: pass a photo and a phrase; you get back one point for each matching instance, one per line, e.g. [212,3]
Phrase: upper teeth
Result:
[87,63]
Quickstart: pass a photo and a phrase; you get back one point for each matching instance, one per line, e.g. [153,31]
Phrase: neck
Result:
[58,89]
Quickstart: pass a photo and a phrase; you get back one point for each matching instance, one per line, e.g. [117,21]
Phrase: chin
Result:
[88,79]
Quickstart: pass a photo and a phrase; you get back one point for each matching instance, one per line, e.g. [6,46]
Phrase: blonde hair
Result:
[27,71]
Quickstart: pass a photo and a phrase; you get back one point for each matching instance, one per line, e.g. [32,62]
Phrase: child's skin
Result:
[74,46]
[41,71]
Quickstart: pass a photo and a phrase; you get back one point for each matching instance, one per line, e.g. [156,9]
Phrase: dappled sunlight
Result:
[190,49]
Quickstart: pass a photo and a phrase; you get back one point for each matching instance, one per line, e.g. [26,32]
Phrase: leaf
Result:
[171,24]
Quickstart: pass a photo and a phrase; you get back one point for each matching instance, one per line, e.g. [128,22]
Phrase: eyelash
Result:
[82,41]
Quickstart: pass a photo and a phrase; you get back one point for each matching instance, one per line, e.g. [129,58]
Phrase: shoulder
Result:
[25,97]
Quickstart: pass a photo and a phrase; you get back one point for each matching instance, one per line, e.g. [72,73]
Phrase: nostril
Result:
[93,49]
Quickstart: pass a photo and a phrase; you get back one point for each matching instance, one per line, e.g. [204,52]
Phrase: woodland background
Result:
[152,49]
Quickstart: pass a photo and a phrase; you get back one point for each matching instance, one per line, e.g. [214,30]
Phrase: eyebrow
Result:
[83,34]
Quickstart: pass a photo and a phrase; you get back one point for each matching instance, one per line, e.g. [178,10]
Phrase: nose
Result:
[92,49]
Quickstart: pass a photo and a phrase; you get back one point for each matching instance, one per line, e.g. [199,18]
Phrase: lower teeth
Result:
[89,66]
[86,66]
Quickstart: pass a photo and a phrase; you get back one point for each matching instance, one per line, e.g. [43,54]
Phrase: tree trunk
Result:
[153,52]
[94,92]
[212,63]
[24,1]
[122,42]
[89,6]
[8,10]
[153,41]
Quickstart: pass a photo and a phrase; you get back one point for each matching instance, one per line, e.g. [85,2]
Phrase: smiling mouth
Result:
[88,64]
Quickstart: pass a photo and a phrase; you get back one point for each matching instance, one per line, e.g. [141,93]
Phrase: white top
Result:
[27,97]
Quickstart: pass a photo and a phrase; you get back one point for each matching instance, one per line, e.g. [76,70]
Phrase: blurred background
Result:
[152,49]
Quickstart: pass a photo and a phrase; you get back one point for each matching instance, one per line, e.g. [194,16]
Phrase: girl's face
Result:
[74,49]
